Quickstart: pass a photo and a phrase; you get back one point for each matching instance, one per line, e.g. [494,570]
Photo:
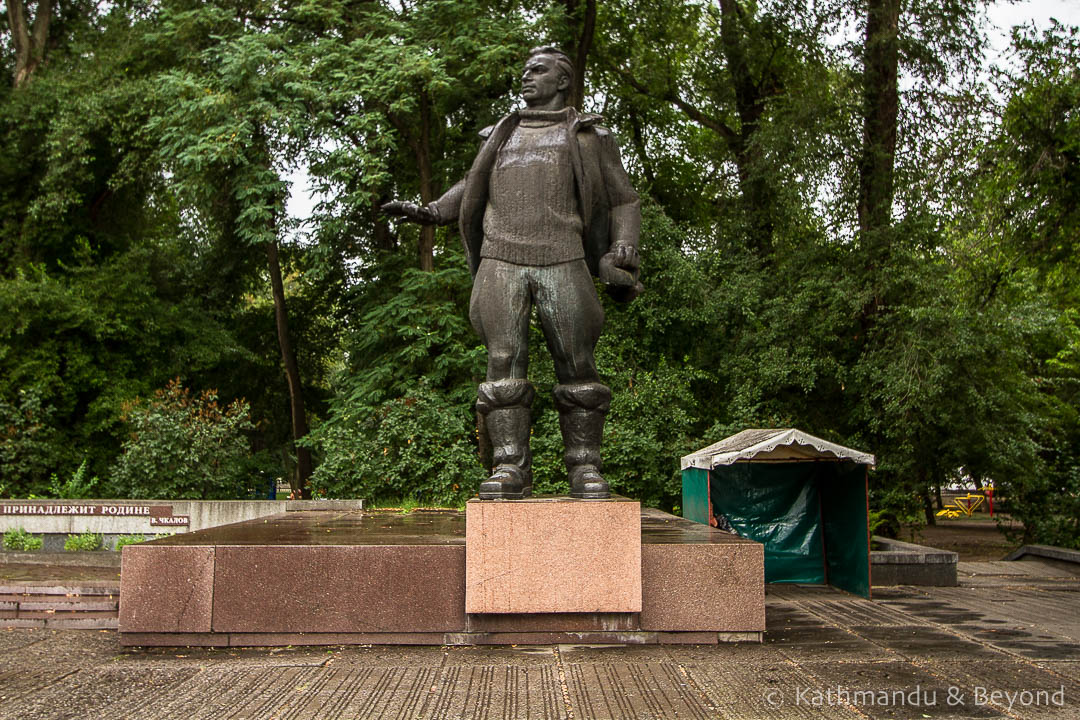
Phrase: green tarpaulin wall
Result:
[810,516]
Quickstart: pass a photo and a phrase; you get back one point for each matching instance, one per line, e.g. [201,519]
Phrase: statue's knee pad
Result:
[504,394]
[584,396]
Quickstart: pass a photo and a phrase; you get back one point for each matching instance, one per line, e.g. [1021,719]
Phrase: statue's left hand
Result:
[625,257]
[619,272]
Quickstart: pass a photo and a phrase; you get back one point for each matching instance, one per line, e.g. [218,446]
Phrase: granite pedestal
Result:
[376,577]
[552,555]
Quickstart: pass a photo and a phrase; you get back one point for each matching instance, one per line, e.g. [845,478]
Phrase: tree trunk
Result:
[292,372]
[580,45]
[928,504]
[426,250]
[28,43]
[751,94]
[881,109]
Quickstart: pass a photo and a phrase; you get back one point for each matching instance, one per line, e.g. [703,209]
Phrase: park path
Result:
[1005,643]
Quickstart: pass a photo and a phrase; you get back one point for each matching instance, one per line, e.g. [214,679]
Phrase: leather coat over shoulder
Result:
[610,209]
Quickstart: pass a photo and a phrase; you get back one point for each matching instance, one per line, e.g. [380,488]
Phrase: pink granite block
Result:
[339,589]
[718,586]
[552,555]
[166,589]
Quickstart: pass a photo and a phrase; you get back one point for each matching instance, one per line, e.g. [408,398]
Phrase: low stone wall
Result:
[1045,552]
[903,563]
[54,520]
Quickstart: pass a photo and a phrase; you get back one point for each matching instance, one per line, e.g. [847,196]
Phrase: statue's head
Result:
[547,79]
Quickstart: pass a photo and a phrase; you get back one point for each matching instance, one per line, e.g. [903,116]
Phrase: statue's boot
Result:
[505,406]
[581,416]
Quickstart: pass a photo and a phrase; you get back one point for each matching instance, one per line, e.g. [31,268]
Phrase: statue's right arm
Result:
[443,211]
[448,207]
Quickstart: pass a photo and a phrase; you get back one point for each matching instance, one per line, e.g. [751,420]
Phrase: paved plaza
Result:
[1005,643]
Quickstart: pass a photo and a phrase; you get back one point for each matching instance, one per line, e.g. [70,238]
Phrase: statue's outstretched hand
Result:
[411,211]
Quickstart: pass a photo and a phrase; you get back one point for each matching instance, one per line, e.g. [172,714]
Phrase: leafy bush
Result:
[21,540]
[419,446]
[129,540]
[184,446]
[84,542]
[402,423]
[76,487]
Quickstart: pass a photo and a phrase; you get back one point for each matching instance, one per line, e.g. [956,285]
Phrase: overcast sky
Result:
[1002,15]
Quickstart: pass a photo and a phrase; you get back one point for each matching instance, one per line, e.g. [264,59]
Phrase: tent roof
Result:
[776,445]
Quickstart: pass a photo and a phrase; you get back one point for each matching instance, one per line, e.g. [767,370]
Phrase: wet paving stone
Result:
[918,641]
[827,643]
[887,691]
[1005,634]
[1013,686]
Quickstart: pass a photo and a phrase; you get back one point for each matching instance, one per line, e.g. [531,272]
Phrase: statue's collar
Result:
[568,116]
[543,118]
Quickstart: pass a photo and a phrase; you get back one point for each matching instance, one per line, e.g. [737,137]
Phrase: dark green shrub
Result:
[29,447]
[184,446]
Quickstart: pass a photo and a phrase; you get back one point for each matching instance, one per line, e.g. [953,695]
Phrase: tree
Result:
[29,38]
[229,117]
[1021,229]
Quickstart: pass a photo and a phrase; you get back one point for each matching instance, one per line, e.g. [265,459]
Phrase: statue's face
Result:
[541,81]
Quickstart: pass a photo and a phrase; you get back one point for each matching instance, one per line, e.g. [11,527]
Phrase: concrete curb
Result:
[1047,551]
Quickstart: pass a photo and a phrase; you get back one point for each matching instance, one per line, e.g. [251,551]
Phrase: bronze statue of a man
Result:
[545,206]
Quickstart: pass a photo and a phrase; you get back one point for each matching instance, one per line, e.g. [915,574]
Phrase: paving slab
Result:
[614,691]
[1013,686]
[92,693]
[1005,633]
[498,692]
[1064,668]
[763,691]
[918,642]
[887,691]
[828,643]
[855,611]
[726,653]
[588,654]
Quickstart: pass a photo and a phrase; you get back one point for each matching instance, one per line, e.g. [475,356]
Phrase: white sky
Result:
[1003,16]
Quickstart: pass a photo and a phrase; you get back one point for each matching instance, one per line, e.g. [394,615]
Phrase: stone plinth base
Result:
[333,578]
[553,555]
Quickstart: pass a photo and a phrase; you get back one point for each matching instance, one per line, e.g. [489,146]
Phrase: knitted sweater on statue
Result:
[532,215]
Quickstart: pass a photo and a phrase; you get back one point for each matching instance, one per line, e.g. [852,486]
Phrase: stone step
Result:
[90,607]
[62,623]
[70,604]
[62,590]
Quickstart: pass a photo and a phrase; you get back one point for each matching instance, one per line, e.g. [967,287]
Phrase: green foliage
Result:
[28,444]
[416,446]
[184,446]
[20,540]
[84,542]
[401,424]
[124,540]
[76,487]
[146,166]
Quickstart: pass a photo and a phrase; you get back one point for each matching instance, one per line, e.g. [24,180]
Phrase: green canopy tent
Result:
[803,498]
